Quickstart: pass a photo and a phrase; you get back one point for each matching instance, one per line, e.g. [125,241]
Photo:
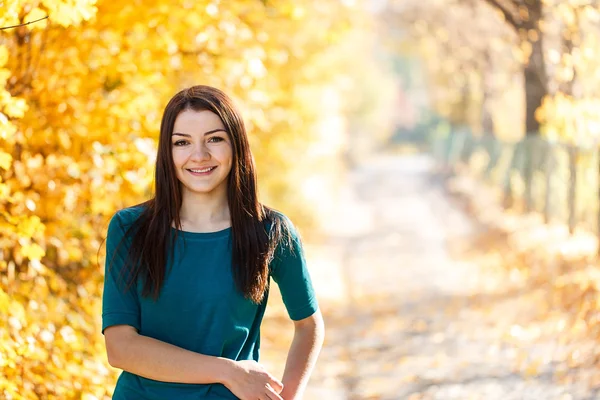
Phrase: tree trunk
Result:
[567,86]
[487,121]
[536,81]
[571,39]
[487,118]
[489,91]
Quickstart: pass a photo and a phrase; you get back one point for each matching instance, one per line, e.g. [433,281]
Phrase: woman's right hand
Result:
[249,380]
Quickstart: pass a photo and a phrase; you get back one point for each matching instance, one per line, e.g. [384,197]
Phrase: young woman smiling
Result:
[188,271]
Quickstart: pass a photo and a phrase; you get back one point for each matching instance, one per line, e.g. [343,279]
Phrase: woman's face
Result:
[202,152]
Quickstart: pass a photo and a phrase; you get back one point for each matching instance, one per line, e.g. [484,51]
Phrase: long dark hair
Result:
[256,229]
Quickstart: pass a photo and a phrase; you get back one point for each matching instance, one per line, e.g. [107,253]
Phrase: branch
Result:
[508,16]
[27,23]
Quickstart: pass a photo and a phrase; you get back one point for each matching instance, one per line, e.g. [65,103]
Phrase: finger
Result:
[272,394]
[275,384]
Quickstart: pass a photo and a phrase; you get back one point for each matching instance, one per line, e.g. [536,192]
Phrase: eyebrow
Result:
[205,133]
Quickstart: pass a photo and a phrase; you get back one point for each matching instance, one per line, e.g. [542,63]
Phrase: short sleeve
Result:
[290,272]
[118,307]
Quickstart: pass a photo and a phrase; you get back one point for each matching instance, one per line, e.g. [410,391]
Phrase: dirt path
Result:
[400,324]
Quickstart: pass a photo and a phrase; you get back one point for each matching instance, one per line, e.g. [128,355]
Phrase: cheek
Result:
[225,156]
[178,157]
[230,154]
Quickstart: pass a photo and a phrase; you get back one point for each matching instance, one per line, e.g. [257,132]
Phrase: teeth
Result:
[201,170]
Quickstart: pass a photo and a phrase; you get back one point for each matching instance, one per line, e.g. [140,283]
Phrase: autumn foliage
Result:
[81,96]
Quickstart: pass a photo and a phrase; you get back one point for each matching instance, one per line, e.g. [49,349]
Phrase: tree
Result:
[525,17]
[81,95]
[468,56]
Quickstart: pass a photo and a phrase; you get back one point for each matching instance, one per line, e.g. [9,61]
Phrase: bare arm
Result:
[161,361]
[306,345]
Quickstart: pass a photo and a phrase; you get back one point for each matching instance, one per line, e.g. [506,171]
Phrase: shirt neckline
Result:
[202,235]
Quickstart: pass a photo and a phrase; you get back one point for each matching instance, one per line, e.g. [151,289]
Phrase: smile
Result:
[202,171]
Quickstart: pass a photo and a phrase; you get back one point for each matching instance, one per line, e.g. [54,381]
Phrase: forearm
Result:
[161,361]
[302,356]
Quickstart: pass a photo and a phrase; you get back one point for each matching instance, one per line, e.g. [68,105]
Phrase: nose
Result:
[200,152]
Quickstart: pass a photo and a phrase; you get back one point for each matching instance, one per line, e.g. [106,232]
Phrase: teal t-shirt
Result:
[199,307]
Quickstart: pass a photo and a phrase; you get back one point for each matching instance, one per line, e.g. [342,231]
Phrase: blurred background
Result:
[439,157]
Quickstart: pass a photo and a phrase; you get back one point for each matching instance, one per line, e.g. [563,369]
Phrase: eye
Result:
[180,143]
[215,139]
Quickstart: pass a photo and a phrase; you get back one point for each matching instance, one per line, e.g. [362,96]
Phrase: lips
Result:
[205,169]
[201,171]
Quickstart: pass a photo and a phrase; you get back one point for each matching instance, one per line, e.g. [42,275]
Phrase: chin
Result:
[202,189]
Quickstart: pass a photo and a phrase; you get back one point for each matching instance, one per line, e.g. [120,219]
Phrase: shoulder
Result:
[278,221]
[284,236]
[130,214]
[125,218]
[274,216]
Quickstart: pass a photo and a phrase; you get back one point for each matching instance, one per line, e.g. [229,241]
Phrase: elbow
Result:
[113,362]
[117,340]
[113,359]
[112,353]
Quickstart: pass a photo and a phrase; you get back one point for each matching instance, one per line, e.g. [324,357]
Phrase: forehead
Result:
[190,122]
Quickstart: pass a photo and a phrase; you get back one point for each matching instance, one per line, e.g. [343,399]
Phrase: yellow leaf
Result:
[4,302]
[3,56]
[5,160]
[32,251]
[4,75]
[30,226]
[15,108]
[75,253]
[35,15]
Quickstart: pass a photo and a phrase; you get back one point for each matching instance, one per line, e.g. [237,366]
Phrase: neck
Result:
[204,209]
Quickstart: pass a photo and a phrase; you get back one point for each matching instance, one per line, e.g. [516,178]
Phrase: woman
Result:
[187,272]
